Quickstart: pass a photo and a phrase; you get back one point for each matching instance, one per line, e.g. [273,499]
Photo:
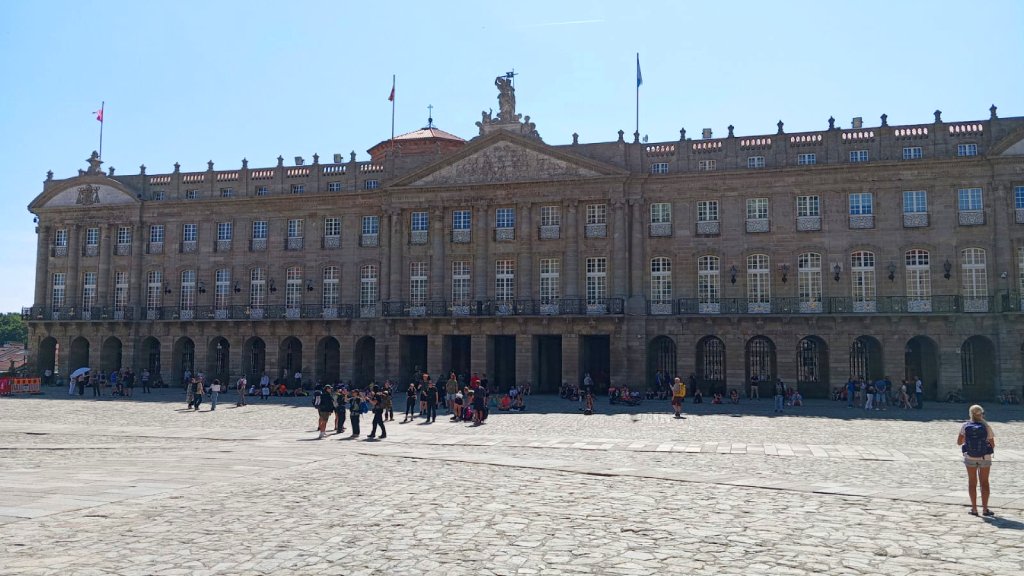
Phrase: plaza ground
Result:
[146,487]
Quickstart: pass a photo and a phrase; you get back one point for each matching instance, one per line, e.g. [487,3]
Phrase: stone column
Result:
[524,284]
[524,358]
[571,358]
[478,353]
[636,245]
[435,355]
[103,280]
[399,272]
[437,263]
[384,238]
[72,295]
[786,345]
[481,274]
[620,235]
[137,273]
[42,266]
[346,352]
[571,263]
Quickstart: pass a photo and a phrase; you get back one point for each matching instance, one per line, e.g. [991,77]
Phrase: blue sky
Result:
[194,81]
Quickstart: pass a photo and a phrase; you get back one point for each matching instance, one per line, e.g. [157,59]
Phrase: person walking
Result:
[780,395]
[919,392]
[355,408]
[377,400]
[678,394]
[190,387]
[432,397]
[410,402]
[241,386]
[214,393]
[145,380]
[197,393]
[977,442]
[324,403]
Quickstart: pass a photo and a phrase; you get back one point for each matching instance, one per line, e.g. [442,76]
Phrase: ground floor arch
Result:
[218,355]
[111,355]
[183,358]
[921,359]
[78,355]
[364,365]
[149,359]
[761,363]
[254,359]
[46,356]
[978,369]
[289,360]
[710,363]
[812,367]
[661,357]
[866,359]
[328,360]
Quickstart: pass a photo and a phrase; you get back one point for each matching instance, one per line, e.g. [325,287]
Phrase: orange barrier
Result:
[20,386]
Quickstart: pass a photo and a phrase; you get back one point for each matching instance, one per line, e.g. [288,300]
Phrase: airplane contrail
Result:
[566,23]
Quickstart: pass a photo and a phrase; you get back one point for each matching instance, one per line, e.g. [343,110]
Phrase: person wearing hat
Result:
[324,402]
[377,402]
[340,401]
[355,408]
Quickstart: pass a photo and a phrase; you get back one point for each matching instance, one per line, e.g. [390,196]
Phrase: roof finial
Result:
[430,115]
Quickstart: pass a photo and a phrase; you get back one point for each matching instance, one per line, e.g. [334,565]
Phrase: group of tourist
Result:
[880,394]
[118,384]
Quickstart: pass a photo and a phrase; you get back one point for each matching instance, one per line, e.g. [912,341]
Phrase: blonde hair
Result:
[977,413]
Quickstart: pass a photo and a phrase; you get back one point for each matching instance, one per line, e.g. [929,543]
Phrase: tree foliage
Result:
[12,328]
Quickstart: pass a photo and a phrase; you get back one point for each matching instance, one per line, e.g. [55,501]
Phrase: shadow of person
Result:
[1004,523]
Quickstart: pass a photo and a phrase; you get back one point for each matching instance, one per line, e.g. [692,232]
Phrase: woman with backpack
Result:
[323,400]
[977,442]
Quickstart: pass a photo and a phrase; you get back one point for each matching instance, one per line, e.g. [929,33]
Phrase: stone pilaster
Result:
[43,281]
[73,292]
[481,270]
[437,264]
[104,280]
[619,242]
[526,234]
[571,260]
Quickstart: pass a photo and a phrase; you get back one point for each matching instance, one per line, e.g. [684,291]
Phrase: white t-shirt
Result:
[918,386]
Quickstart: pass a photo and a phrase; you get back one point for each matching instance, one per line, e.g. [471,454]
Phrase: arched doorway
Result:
[661,355]
[46,359]
[328,360]
[218,353]
[761,364]
[921,358]
[79,355]
[149,358]
[812,367]
[866,359]
[254,359]
[364,363]
[289,360]
[183,358]
[710,364]
[110,355]
[978,369]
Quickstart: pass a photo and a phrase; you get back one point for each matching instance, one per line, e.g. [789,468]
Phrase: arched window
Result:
[661,280]
[257,288]
[222,289]
[293,288]
[187,293]
[368,286]
[862,277]
[331,295]
[154,289]
[708,284]
[919,280]
[758,283]
[974,278]
[809,281]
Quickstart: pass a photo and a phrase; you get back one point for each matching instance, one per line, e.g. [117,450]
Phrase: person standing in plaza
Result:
[780,395]
[95,381]
[678,394]
[190,387]
[432,398]
[410,402]
[214,393]
[977,443]
[197,393]
[340,403]
[298,379]
[919,392]
[869,395]
[145,380]
[324,403]
[129,382]
[377,400]
[355,409]
[241,387]
[264,383]
[451,387]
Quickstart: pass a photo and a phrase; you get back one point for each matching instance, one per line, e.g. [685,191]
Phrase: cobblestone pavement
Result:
[145,487]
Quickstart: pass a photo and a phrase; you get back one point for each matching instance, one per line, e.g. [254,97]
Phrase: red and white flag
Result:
[391,97]
[99,114]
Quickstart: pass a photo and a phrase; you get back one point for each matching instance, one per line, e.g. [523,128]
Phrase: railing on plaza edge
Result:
[1005,302]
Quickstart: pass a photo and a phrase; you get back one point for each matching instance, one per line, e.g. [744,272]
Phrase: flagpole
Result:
[392,112]
[102,106]
[639,80]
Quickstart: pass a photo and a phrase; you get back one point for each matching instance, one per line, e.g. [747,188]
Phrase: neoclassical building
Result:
[869,251]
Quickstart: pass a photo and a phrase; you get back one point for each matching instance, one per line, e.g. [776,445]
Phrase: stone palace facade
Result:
[870,251]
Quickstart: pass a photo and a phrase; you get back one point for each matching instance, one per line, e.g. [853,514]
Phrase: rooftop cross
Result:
[430,115]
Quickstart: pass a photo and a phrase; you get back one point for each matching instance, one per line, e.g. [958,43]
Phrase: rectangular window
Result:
[966,149]
[92,237]
[124,235]
[60,238]
[332,227]
[707,211]
[295,228]
[505,280]
[187,290]
[597,213]
[659,168]
[417,283]
[298,189]
[59,285]
[661,212]
[915,202]
[806,159]
[969,199]
[461,219]
[257,288]
[809,277]
[371,224]
[706,165]
[755,162]
[293,288]
[858,155]
[597,280]
[505,218]
[808,206]
[225,231]
[861,203]
[371,184]
[919,283]
[1018,197]
[156,233]
[912,153]
[420,221]
[863,277]
[757,208]
[550,215]
[550,270]
[222,289]
[190,232]
[191,194]
[262,190]
[708,280]
[227,192]
[661,280]
[331,295]
[88,290]
[154,289]
[259,230]
[334,186]
[159,195]
[461,283]
[120,290]
[758,279]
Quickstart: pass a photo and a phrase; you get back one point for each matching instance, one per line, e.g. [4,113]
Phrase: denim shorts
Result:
[978,462]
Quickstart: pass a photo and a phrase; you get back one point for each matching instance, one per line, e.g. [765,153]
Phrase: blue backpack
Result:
[976,440]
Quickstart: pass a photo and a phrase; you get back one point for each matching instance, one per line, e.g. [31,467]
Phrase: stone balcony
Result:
[294,243]
[504,234]
[808,223]
[862,221]
[758,225]
[461,236]
[222,246]
[550,232]
[92,250]
[709,228]
[971,217]
[419,237]
[915,220]
[122,249]
[596,231]
[331,242]
[258,245]
[660,229]
[189,246]
[369,240]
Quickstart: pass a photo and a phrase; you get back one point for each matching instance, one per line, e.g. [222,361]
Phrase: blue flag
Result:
[639,78]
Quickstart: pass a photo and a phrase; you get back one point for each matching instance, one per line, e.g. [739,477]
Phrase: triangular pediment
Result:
[84,192]
[504,158]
